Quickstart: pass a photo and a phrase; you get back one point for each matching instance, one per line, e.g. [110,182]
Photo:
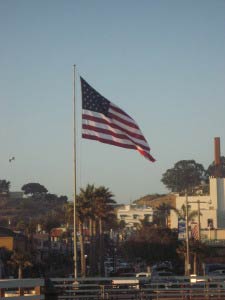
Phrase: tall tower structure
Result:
[217,157]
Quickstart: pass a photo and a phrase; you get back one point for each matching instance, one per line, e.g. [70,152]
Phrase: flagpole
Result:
[74,153]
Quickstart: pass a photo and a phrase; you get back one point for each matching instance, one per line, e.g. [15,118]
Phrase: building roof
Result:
[57,232]
[4,231]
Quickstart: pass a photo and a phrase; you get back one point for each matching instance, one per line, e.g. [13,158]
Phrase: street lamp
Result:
[85,265]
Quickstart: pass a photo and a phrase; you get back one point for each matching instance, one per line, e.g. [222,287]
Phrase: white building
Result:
[212,206]
[132,214]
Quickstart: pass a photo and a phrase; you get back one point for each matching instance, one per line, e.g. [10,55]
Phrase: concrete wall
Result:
[213,234]
[217,193]
[212,206]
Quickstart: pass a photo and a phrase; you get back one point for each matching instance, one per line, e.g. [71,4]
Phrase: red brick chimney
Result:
[217,156]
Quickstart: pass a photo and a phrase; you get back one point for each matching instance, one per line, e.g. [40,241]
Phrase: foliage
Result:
[20,260]
[4,186]
[34,189]
[96,203]
[185,175]
[21,225]
[182,213]
[26,204]
[94,208]
[103,202]
[151,244]
[62,199]
[51,197]
[50,221]
[197,249]
[213,169]
[162,214]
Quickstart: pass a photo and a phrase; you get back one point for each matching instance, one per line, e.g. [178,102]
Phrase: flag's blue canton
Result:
[92,100]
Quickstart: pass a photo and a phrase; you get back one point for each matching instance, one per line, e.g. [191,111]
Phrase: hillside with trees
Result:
[34,208]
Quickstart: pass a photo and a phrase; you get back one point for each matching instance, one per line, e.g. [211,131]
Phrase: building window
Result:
[135,217]
[210,223]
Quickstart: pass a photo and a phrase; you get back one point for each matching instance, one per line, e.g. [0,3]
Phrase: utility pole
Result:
[199,214]
[187,266]
[199,224]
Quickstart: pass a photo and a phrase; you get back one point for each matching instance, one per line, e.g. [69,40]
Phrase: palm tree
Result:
[182,213]
[68,210]
[163,213]
[84,212]
[93,207]
[103,208]
[68,217]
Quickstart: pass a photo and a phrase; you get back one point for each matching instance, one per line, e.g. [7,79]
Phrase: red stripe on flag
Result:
[117,135]
[146,154]
[115,126]
[106,141]
[123,121]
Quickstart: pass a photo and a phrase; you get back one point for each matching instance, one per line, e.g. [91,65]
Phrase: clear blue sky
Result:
[163,62]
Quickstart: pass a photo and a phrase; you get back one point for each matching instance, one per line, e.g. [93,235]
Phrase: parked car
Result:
[126,280]
[164,279]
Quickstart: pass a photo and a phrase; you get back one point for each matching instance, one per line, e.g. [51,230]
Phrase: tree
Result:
[34,189]
[4,186]
[185,175]
[20,260]
[162,214]
[214,170]
[151,244]
[94,209]
[62,199]
[182,213]
[103,210]
[50,220]
[21,225]
[68,211]
[85,216]
[199,252]
[51,197]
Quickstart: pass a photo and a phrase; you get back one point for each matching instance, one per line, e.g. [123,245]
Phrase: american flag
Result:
[194,231]
[105,122]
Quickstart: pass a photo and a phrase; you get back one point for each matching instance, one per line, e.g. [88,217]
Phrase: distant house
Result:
[58,240]
[132,215]
[41,241]
[57,233]
[12,240]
